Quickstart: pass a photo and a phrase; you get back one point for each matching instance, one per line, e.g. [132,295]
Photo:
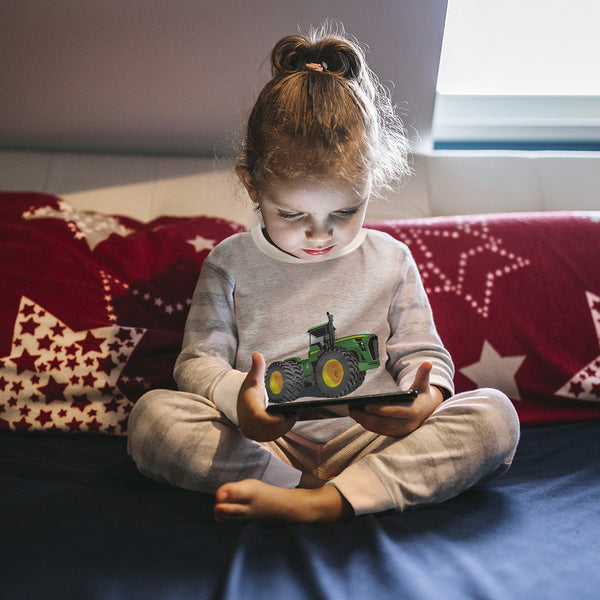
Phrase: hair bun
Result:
[290,55]
[337,54]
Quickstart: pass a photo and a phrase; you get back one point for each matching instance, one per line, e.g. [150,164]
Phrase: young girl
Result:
[321,140]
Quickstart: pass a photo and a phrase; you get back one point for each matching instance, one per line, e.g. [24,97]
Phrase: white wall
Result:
[448,183]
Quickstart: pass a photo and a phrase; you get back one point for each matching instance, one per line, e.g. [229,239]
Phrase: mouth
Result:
[318,251]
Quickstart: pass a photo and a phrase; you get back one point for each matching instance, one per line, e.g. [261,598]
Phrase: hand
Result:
[396,420]
[255,422]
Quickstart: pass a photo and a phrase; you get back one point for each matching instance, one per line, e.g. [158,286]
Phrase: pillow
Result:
[516,300]
[92,310]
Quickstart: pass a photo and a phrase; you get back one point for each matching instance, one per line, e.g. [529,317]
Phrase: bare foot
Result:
[251,500]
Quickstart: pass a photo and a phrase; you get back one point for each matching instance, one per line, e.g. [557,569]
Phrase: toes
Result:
[234,492]
[223,494]
[232,502]
[226,513]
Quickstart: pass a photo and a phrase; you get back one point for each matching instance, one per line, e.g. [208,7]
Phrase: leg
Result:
[184,440]
[311,501]
[469,438]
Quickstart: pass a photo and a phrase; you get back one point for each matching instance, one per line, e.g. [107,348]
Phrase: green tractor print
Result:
[335,366]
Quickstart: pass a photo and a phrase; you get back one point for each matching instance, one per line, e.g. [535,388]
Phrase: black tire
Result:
[337,373]
[284,381]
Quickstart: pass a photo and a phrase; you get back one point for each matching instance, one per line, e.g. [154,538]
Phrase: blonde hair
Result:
[324,116]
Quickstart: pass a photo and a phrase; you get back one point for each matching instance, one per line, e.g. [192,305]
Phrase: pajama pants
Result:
[183,439]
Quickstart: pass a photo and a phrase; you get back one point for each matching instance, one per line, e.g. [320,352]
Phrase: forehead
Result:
[313,195]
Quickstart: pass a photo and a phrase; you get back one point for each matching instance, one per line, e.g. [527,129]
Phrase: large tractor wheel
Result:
[337,373]
[284,381]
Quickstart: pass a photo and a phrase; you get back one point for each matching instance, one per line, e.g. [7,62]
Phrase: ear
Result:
[246,179]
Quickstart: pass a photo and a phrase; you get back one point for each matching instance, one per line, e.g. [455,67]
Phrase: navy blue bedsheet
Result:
[78,521]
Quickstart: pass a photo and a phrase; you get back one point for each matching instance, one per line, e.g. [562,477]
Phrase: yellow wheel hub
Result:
[276,382]
[333,373]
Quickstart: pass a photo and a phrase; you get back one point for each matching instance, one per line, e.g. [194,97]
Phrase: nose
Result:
[317,231]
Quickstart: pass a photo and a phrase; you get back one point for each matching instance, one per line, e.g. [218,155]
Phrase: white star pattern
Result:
[585,385]
[201,243]
[57,378]
[91,226]
[495,371]
[480,242]
[157,302]
[107,282]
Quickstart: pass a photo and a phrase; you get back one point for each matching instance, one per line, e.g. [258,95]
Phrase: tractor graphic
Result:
[336,366]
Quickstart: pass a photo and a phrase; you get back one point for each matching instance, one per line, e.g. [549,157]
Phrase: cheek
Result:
[282,232]
[349,229]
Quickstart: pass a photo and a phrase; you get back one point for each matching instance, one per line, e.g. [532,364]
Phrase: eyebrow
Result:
[341,209]
[354,207]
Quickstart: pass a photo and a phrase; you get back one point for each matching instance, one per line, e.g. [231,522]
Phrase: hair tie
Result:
[316,66]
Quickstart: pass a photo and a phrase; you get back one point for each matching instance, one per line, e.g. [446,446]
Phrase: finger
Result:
[276,423]
[421,381]
[382,425]
[268,418]
[256,374]
[395,411]
[267,432]
[280,429]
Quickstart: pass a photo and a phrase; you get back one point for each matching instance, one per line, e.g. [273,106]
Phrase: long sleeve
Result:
[205,365]
[414,338]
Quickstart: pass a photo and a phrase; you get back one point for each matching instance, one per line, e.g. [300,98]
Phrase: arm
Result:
[417,359]
[413,336]
[205,364]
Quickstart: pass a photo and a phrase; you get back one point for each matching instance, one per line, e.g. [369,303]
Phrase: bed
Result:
[91,316]
[80,522]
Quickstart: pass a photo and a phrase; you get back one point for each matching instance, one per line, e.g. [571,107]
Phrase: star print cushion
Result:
[92,310]
[516,299]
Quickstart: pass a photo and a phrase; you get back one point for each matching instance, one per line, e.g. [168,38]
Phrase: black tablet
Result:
[329,408]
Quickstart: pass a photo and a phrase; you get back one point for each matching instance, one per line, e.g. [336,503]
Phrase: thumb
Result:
[256,375]
[421,382]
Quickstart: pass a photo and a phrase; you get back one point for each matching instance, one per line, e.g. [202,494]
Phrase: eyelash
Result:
[290,216]
[340,214]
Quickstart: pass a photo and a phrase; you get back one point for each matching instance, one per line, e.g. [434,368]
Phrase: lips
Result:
[318,251]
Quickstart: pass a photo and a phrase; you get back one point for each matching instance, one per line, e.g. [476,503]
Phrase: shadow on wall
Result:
[144,187]
[444,183]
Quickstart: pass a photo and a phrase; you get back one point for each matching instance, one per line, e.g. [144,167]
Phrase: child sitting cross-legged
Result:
[322,139]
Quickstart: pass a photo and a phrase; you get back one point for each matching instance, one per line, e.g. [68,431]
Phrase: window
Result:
[519,74]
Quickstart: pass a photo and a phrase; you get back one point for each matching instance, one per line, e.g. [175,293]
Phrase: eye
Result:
[290,216]
[346,212]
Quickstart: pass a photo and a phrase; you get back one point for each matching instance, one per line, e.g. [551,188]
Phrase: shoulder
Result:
[223,261]
[382,242]
[383,252]
[229,247]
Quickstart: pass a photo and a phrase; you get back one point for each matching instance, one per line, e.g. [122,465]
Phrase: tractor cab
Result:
[321,337]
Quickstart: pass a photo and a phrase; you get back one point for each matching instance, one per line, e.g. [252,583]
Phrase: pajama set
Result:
[252,297]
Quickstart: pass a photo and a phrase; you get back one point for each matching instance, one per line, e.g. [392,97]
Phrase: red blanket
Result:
[516,299]
[92,310]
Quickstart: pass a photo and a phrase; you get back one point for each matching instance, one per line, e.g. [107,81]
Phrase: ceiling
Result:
[179,76]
